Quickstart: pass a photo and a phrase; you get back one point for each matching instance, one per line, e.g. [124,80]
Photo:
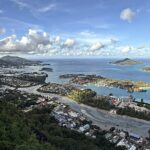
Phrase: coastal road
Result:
[101,118]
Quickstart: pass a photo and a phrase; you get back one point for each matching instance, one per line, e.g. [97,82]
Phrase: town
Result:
[68,118]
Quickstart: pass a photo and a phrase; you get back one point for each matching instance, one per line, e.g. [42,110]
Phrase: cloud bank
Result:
[41,43]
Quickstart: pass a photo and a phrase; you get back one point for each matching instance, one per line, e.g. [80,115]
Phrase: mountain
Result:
[8,61]
[127,61]
[3,63]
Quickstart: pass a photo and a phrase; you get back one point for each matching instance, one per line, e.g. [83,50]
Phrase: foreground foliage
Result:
[38,131]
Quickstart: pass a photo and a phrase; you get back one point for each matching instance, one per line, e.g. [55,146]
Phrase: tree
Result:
[149,133]
[142,101]
[110,94]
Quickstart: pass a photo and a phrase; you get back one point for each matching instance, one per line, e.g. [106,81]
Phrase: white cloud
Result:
[2,30]
[41,43]
[127,14]
[57,39]
[92,37]
[96,46]
[33,41]
[20,4]
[126,49]
[69,42]
[8,44]
[47,8]
[37,42]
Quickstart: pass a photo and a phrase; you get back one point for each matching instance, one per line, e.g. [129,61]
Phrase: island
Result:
[130,86]
[126,61]
[146,69]
[47,69]
[14,61]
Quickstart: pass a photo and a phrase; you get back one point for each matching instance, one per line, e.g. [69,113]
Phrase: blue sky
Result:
[66,28]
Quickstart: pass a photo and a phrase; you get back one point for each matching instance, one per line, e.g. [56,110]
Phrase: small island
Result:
[47,69]
[146,69]
[126,61]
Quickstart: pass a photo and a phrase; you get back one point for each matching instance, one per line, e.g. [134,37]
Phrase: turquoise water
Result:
[104,68]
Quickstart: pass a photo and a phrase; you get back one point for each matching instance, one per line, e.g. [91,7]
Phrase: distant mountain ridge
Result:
[126,61]
[8,61]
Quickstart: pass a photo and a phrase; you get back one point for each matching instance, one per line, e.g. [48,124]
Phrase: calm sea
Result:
[104,68]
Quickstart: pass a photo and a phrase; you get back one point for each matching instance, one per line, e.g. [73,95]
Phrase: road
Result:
[101,118]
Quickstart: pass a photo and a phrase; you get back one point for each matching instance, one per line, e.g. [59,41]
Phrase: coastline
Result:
[100,117]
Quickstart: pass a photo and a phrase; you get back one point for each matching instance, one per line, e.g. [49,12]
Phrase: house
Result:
[84,128]
[73,114]
[40,99]
[115,139]
[113,111]
[132,147]
[108,136]
[123,142]
[122,134]
[134,137]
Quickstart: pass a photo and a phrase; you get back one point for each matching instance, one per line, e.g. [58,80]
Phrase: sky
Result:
[75,28]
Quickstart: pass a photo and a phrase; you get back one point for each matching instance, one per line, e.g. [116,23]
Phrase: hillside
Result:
[36,130]
[126,61]
[8,61]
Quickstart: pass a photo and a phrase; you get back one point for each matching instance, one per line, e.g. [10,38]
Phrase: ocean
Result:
[104,68]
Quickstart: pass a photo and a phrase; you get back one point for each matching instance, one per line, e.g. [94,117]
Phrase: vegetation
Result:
[89,97]
[149,133]
[130,86]
[146,69]
[18,99]
[133,113]
[47,69]
[9,61]
[33,77]
[38,131]
[127,61]
[15,131]
[143,104]
[61,89]
[82,96]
